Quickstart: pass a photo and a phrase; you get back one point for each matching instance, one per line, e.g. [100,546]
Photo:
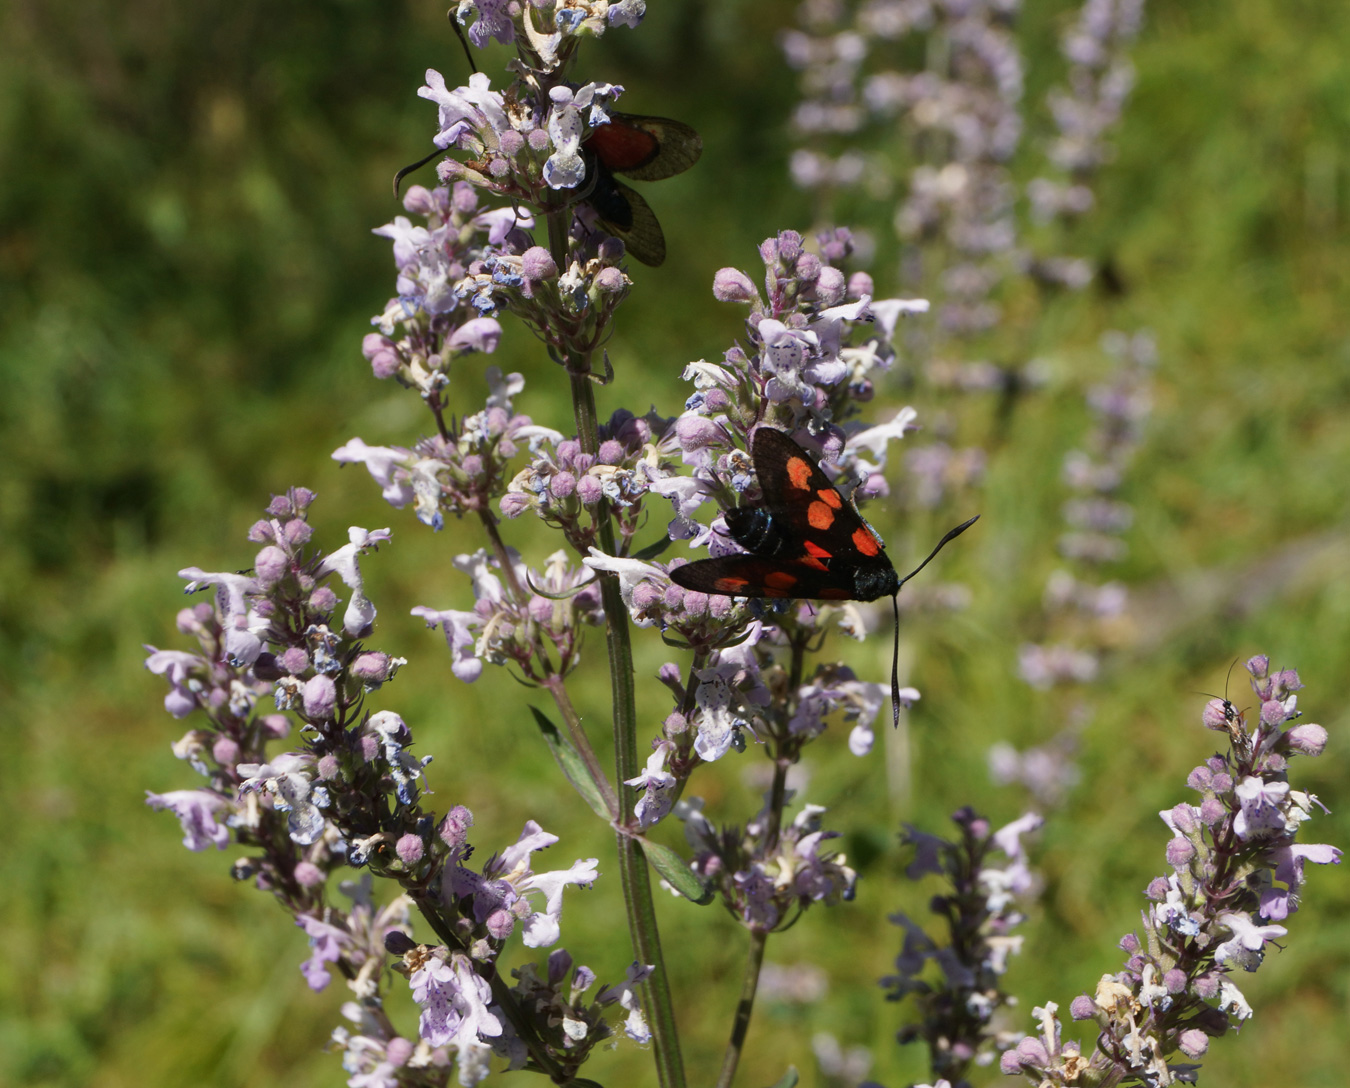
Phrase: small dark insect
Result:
[1232,717]
[644,149]
[804,541]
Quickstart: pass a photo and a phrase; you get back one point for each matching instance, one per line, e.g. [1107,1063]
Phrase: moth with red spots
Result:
[803,541]
[644,149]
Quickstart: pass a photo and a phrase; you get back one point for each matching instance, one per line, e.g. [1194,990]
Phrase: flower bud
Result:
[697,432]
[409,848]
[859,284]
[1215,715]
[830,286]
[307,874]
[1179,852]
[372,667]
[320,697]
[1082,1007]
[454,828]
[500,923]
[1273,712]
[589,490]
[733,285]
[1307,739]
[383,356]
[537,263]
[1193,1042]
[1258,666]
[610,281]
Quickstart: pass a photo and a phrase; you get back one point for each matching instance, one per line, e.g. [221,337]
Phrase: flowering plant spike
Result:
[322,793]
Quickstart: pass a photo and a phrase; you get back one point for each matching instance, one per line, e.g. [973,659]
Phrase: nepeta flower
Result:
[198,812]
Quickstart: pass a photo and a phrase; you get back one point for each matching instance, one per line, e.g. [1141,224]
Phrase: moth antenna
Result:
[464,41]
[952,535]
[895,662]
[398,178]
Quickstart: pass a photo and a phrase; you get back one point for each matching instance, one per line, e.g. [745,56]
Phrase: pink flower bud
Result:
[589,490]
[454,828]
[225,751]
[371,667]
[1193,1042]
[398,1050]
[537,263]
[410,849]
[1308,739]
[733,285]
[562,484]
[308,875]
[320,698]
[610,280]
[830,286]
[859,284]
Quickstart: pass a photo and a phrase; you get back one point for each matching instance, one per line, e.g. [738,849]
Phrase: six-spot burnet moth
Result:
[803,541]
[644,149]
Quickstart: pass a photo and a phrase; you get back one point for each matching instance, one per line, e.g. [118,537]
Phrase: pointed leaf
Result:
[788,1079]
[571,764]
[676,872]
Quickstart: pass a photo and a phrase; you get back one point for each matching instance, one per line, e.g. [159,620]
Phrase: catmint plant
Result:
[1236,874]
[308,776]
[321,793]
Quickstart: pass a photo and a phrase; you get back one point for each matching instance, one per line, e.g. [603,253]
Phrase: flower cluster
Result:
[1091,615]
[958,1000]
[1237,870]
[349,792]
[960,120]
[768,876]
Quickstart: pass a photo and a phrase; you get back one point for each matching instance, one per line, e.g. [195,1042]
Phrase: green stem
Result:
[557,687]
[741,1025]
[633,872]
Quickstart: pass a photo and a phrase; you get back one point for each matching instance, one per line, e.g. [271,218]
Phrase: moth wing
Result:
[645,148]
[800,496]
[624,214]
[754,576]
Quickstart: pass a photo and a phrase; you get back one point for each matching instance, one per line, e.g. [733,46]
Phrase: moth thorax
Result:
[868,585]
[755,530]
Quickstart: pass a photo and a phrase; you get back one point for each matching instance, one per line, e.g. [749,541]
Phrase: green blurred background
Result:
[186,272]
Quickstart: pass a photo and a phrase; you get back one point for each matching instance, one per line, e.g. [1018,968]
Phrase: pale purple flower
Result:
[175,666]
[494,21]
[288,780]
[1247,936]
[656,783]
[628,995]
[197,811]
[459,628]
[1262,805]
[388,467]
[360,612]
[466,111]
[326,943]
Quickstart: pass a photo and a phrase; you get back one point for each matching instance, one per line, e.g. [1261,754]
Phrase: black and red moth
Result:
[803,541]
[644,149]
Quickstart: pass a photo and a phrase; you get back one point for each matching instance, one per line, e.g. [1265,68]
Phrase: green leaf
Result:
[651,551]
[676,872]
[788,1080]
[571,764]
